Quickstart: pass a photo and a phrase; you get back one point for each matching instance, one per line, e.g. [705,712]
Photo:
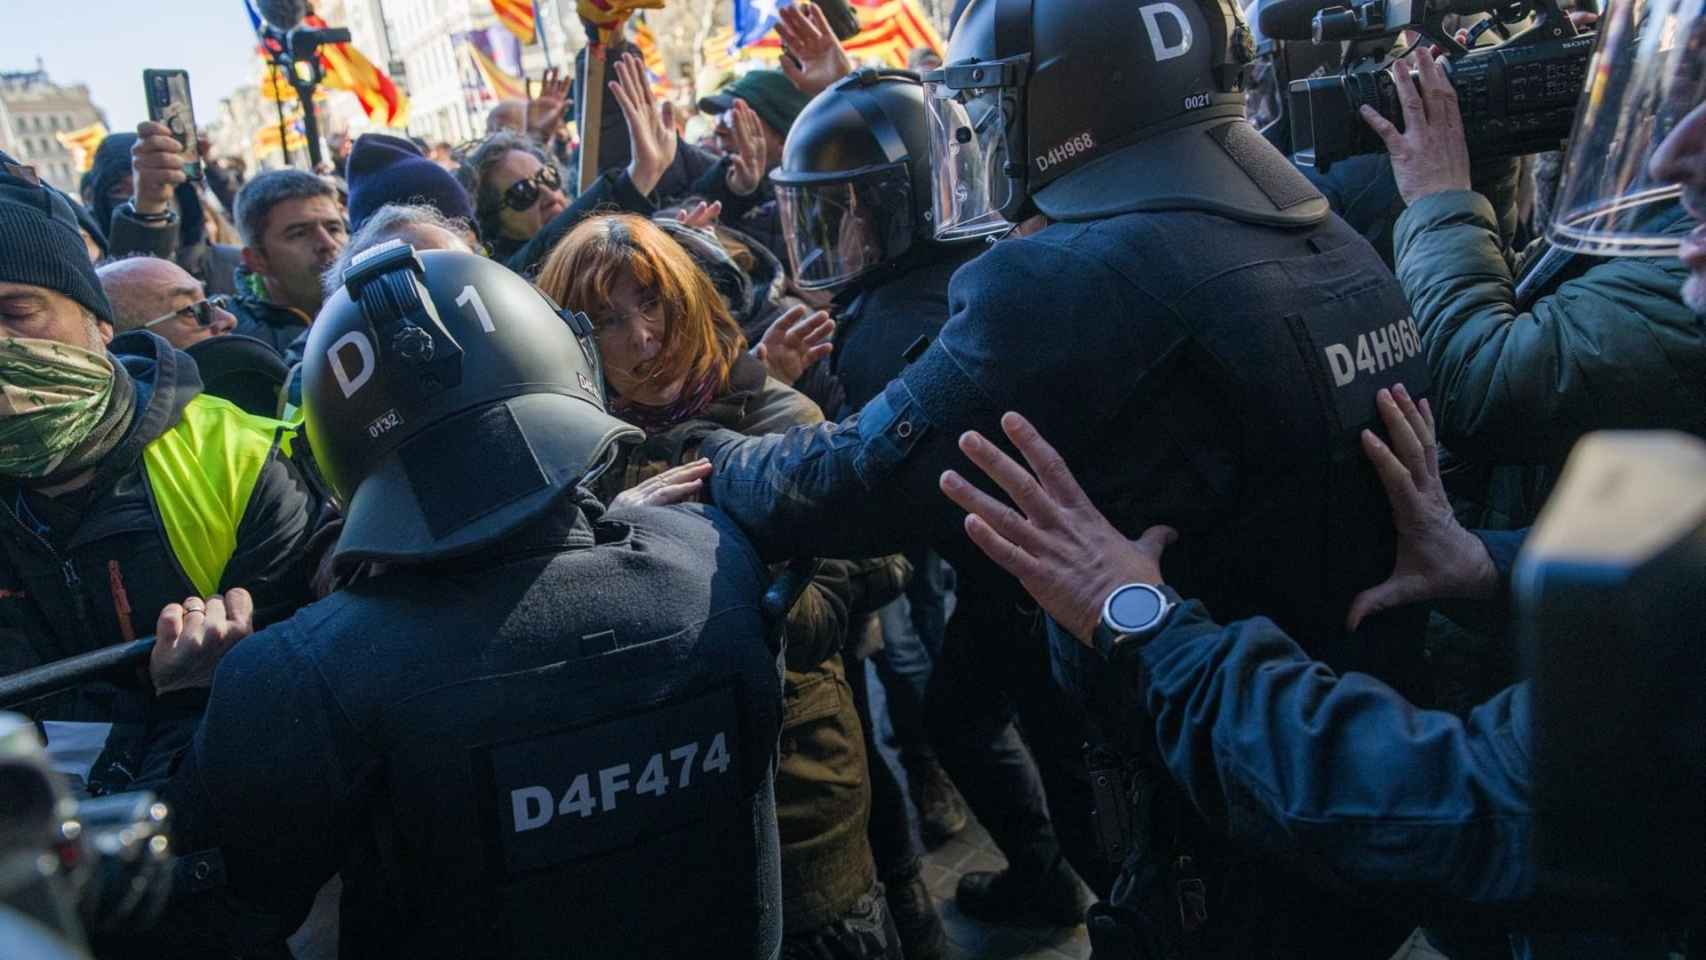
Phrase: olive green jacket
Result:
[1602,343]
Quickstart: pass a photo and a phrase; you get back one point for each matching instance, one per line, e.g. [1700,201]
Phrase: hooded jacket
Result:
[94,567]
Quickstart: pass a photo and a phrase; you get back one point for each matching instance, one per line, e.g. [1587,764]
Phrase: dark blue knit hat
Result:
[384,169]
[41,240]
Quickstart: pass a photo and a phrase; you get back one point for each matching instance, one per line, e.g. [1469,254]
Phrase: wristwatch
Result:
[128,208]
[1132,614]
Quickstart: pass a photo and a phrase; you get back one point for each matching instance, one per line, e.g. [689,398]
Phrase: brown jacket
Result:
[823,796]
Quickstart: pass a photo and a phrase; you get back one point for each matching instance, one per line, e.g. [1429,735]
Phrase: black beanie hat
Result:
[41,240]
[384,169]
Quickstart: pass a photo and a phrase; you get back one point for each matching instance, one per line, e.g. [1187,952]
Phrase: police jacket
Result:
[563,745]
[897,311]
[199,497]
[1346,782]
[823,795]
[1194,370]
[1593,343]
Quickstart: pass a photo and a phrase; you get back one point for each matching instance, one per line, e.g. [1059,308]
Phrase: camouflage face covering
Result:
[52,397]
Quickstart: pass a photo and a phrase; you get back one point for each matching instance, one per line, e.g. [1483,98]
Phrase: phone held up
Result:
[168,93]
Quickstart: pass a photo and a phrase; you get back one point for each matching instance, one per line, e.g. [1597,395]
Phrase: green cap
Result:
[769,93]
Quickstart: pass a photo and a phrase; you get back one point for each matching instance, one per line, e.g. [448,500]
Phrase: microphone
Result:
[282,15]
[1289,19]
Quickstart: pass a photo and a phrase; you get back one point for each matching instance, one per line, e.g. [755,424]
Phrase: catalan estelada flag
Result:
[517,17]
[347,69]
[889,30]
[503,84]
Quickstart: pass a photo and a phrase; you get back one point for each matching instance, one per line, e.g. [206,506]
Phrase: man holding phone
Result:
[292,230]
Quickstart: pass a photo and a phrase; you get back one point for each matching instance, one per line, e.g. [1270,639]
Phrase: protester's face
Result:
[1681,159]
[171,293]
[517,166]
[630,336]
[37,313]
[121,190]
[301,242]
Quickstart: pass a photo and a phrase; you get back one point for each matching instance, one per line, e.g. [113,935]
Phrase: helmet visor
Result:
[1262,102]
[1647,74]
[969,156]
[837,230]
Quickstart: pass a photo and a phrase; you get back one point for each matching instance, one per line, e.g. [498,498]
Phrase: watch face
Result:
[1134,608]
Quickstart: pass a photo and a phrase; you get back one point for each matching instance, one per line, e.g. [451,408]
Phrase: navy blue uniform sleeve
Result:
[1339,773]
[271,781]
[1018,337]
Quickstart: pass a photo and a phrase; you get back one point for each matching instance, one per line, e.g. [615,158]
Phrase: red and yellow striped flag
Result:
[502,84]
[347,69]
[517,17]
[888,31]
[82,143]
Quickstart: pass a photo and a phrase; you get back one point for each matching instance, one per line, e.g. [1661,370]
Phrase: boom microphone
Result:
[282,15]
[1289,19]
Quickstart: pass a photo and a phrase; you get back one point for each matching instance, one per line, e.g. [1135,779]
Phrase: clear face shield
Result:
[1648,73]
[1262,104]
[838,229]
[969,145]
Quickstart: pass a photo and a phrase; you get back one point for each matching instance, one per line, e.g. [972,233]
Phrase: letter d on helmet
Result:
[1084,109]
[442,419]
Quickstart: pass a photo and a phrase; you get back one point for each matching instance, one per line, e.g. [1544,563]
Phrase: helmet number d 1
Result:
[471,295]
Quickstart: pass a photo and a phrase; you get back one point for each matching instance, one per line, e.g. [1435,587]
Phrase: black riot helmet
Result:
[448,402]
[1082,109]
[854,185]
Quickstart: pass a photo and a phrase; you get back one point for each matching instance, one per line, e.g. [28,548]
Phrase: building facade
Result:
[33,109]
[419,42]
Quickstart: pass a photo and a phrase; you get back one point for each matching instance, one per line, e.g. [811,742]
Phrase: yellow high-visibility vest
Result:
[201,473]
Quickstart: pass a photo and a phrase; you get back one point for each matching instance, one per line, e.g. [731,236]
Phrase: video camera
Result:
[72,868]
[1517,97]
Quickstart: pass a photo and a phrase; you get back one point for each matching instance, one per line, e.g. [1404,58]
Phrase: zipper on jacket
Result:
[68,570]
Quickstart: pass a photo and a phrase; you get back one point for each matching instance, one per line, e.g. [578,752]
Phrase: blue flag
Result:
[753,19]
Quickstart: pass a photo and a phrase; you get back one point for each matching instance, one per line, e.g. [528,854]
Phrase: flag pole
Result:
[539,33]
[283,139]
[592,113]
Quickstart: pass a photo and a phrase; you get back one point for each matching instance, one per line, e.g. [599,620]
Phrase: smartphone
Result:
[168,94]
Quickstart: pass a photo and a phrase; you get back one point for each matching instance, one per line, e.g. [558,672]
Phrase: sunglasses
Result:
[523,194]
[200,311]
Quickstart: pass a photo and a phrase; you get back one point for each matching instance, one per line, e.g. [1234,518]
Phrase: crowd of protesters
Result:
[520,558]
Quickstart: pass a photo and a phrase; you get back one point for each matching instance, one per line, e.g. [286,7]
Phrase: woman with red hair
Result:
[676,364]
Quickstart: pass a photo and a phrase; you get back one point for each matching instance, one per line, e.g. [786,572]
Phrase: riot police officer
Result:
[536,728]
[855,190]
[1182,313]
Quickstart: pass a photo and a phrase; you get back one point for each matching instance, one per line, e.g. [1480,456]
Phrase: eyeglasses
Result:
[200,311]
[523,194]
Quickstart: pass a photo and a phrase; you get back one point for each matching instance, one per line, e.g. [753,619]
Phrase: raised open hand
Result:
[805,34]
[653,141]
